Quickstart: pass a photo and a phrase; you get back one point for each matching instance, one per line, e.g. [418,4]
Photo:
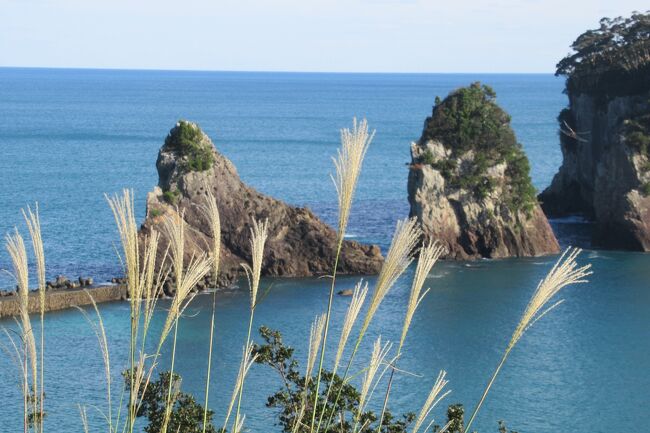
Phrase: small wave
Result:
[572,219]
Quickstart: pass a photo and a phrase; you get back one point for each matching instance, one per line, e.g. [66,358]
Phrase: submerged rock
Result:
[299,243]
[469,183]
[605,135]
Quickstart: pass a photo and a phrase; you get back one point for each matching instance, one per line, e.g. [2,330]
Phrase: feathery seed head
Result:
[315,340]
[259,234]
[377,359]
[174,228]
[248,359]
[564,273]
[354,144]
[399,257]
[429,255]
[432,400]
[34,226]
[211,211]
[358,298]
[15,246]
[18,253]
[123,212]
[187,277]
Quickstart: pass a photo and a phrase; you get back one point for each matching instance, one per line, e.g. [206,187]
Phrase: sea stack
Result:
[299,243]
[469,184]
[605,134]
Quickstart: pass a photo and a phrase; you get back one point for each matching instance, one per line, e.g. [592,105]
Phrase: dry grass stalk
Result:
[123,212]
[429,255]
[377,359]
[354,145]
[248,359]
[259,235]
[186,279]
[100,332]
[33,221]
[239,426]
[358,298]
[211,212]
[15,246]
[17,354]
[144,282]
[565,272]
[84,418]
[209,369]
[434,397]
[399,257]
[315,340]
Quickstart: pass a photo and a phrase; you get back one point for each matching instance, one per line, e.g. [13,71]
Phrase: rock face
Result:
[469,185]
[605,137]
[299,243]
[603,177]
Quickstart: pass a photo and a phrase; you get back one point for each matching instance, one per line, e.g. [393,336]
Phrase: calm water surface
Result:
[68,136]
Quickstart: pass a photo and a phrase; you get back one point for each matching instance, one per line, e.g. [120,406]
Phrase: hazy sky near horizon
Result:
[294,35]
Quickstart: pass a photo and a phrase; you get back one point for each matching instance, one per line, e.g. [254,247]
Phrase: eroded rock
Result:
[299,243]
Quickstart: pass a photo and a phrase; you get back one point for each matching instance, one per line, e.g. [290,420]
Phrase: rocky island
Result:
[605,134]
[469,184]
[299,243]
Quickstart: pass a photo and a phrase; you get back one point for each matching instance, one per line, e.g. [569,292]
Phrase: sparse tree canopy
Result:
[618,47]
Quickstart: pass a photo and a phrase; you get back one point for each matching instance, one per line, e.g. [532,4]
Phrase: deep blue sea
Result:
[69,136]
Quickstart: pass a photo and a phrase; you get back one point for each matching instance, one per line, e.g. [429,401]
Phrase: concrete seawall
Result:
[62,299]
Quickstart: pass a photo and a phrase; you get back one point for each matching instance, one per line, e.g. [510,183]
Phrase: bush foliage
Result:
[187,139]
[341,401]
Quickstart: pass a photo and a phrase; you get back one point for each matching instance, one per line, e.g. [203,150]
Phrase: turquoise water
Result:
[68,136]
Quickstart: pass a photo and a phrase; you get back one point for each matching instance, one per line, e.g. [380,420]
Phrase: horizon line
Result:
[262,71]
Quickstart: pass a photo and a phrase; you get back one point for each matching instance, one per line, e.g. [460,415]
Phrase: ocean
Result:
[67,137]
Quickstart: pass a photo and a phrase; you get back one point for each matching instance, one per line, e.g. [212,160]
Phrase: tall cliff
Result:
[469,183]
[299,243]
[605,134]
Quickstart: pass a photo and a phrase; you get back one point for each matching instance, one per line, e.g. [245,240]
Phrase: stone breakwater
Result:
[61,299]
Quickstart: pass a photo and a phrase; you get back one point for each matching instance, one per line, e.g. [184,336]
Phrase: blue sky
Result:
[289,35]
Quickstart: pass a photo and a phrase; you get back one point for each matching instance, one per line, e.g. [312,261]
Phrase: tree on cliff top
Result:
[618,47]
[469,119]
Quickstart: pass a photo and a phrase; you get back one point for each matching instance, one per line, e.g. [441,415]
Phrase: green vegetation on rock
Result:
[636,133]
[187,138]
[172,197]
[469,119]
